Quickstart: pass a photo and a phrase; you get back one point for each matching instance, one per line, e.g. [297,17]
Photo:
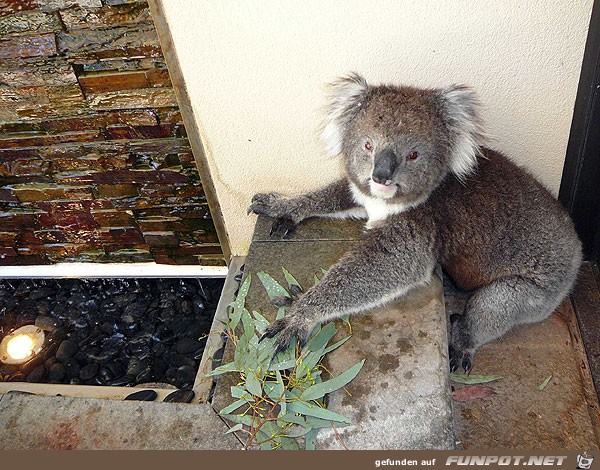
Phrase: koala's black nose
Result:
[385,165]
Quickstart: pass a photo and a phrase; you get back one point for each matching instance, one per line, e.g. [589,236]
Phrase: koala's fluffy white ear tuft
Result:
[462,115]
[345,96]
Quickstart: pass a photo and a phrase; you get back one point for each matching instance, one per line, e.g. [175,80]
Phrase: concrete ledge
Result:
[45,423]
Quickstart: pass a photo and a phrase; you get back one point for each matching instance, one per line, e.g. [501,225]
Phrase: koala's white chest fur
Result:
[377,209]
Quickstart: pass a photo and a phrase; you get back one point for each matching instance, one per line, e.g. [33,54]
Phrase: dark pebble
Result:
[187,345]
[180,396]
[122,381]
[142,395]
[46,323]
[116,368]
[75,381]
[57,372]
[28,367]
[89,371]
[160,367]
[145,375]
[72,368]
[58,335]
[66,350]
[38,374]
[105,374]
[186,374]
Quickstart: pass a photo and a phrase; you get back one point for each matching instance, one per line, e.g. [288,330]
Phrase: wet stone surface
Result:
[121,332]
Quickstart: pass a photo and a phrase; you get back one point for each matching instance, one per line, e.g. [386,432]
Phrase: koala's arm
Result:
[393,259]
[334,200]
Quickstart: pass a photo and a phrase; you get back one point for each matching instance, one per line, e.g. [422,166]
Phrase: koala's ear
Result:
[461,108]
[345,96]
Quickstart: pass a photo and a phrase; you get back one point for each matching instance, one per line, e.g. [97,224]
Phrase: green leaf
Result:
[235,428]
[334,346]
[321,338]
[280,313]
[260,322]
[253,384]
[289,444]
[291,280]
[244,419]
[273,288]
[318,423]
[317,280]
[473,379]
[292,418]
[545,383]
[283,365]
[323,388]
[310,440]
[234,406]
[238,303]
[316,411]
[229,367]
[298,431]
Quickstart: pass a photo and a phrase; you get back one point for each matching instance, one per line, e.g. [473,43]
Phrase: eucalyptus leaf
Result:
[233,406]
[316,411]
[229,367]
[323,388]
[280,313]
[273,288]
[473,379]
[291,280]
[253,384]
[336,345]
[321,338]
[310,440]
[235,428]
[260,322]
[238,304]
[545,383]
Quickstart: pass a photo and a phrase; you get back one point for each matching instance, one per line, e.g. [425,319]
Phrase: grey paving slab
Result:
[29,422]
[401,398]
[313,229]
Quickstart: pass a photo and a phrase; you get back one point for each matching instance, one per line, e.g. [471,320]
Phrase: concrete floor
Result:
[519,416]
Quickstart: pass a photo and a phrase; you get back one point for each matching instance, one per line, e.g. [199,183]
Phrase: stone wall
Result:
[95,164]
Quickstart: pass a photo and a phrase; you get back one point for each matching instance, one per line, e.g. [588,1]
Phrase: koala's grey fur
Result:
[496,231]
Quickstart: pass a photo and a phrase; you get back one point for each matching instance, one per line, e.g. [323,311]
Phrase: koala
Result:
[417,169]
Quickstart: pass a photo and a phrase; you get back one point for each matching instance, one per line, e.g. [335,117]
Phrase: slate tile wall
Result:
[95,164]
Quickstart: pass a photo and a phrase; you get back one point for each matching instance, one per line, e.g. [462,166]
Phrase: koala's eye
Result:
[412,155]
[368,146]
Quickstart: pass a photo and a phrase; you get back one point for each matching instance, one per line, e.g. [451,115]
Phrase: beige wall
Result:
[255,71]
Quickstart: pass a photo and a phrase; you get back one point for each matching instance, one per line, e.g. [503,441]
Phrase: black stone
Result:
[180,396]
[38,374]
[72,368]
[58,335]
[142,395]
[57,372]
[17,377]
[185,374]
[66,350]
[46,323]
[89,371]
[187,345]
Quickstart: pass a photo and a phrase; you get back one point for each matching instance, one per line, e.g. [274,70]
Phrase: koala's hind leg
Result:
[492,311]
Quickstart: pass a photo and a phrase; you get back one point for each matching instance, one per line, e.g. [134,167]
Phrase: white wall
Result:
[255,71]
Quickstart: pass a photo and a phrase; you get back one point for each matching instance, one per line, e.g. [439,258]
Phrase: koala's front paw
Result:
[274,205]
[287,328]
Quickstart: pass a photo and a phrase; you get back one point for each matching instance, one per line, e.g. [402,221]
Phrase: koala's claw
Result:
[286,330]
[460,359]
[282,227]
